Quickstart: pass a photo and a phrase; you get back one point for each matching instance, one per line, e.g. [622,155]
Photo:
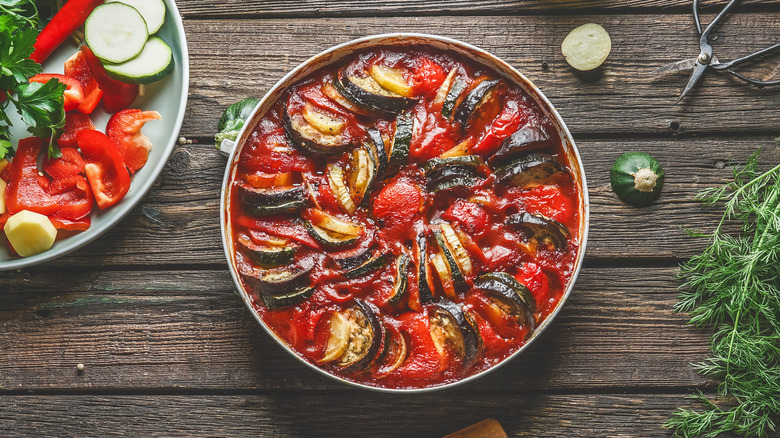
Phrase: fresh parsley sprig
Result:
[733,286]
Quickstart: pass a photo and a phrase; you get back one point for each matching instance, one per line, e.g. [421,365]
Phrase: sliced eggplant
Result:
[454,183]
[278,281]
[455,330]
[487,282]
[267,256]
[288,300]
[269,196]
[449,173]
[458,85]
[354,257]
[400,279]
[323,121]
[509,297]
[396,352]
[268,210]
[456,273]
[339,188]
[374,264]
[366,92]
[542,229]
[390,79]
[529,171]
[331,89]
[423,270]
[365,335]
[524,140]
[402,139]
[434,165]
[479,96]
[310,140]
[376,148]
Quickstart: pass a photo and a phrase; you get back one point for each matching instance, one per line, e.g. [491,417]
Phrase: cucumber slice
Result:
[153,12]
[152,64]
[115,32]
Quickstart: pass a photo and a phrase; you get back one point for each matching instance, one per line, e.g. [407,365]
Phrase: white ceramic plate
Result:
[168,97]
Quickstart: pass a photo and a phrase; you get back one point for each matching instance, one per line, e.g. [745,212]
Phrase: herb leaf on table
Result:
[733,286]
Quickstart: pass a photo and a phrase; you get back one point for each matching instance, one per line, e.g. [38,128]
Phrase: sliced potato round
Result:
[586,47]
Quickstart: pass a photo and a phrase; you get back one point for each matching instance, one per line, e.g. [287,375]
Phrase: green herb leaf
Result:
[15,63]
[6,148]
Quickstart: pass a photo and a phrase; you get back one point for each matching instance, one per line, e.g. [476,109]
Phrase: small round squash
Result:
[637,178]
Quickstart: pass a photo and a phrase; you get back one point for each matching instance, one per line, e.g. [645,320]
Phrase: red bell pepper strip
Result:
[69,18]
[71,225]
[124,128]
[76,67]
[116,95]
[73,95]
[74,122]
[73,196]
[68,164]
[26,189]
[106,172]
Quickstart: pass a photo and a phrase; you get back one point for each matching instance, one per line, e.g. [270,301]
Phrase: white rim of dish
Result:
[73,243]
[501,67]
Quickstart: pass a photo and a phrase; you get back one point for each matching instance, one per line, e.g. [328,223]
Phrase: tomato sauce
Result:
[403,206]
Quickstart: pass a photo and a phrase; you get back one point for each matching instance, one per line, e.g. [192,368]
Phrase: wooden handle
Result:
[488,428]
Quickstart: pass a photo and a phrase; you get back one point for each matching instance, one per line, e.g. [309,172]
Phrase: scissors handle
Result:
[745,59]
[705,35]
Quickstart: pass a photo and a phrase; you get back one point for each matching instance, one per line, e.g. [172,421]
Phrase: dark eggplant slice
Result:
[448,173]
[269,196]
[455,272]
[374,264]
[458,85]
[529,171]
[434,165]
[268,210]
[509,296]
[287,300]
[474,100]
[376,147]
[541,229]
[267,256]
[452,328]
[277,281]
[366,92]
[459,182]
[358,255]
[333,91]
[401,278]
[525,139]
[395,354]
[307,139]
[328,238]
[365,335]
[422,267]
[402,139]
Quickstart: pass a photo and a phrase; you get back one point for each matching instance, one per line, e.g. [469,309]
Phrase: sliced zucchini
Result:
[153,12]
[529,171]
[361,174]
[153,63]
[333,224]
[455,183]
[270,196]
[486,282]
[482,94]
[339,327]
[541,229]
[390,79]
[436,164]
[453,94]
[396,351]
[423,270]
[455,330]
[325,122]
[509,297]
[272,209]
[457,249]
[457,274]
[267,256]
[400,279]
[309,140]
[116,32]
[374,264]
[331,231]
[288,300]
[277,281]
[365,91]
[449,173]
[331,89]
[402,139]
[356,256]
[376,148]
[329,239]
[339,188]
[365,335]
[525,139]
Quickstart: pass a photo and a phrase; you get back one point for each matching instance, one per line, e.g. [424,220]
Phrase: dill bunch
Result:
[733,286]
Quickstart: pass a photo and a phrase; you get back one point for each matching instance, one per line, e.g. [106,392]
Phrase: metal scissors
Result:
[706,60]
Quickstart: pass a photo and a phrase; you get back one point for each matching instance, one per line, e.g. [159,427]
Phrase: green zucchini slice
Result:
[331,89]
[458,85]
[455,246]
[457,275]
[402,139]
[455,183]
[354,257]
[361,174]
[376,148]
[288,300]
[311,141]
[369,266]
[267,196]
[268,210]
[479,96]
[542,229]
[435,164]
[529,171]
[366,92]
[400,279]
[339,188]
[637,178]
[267,256]
[524,140]
[455,330]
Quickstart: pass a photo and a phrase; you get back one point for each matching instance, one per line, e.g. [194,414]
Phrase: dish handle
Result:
[226,147]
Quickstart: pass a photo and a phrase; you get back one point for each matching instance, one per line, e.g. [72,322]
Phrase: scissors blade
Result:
[673,67]
[698,72]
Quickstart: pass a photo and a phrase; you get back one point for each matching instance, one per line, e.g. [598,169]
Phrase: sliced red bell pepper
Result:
[68,164]
[71,225]
[124,128]
[106,172]
[69,18]
[470,216]
[73,95]
[26,189]
[76,67]
[73,196]
[74,122]
[116,95]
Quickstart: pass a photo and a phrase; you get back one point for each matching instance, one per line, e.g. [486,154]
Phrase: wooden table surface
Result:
[170,349]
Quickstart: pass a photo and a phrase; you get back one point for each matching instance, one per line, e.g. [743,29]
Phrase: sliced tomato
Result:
[536,280]
[76,67]
[124,128]
[551,201]
[398,201]
[116,95]
[74,197]
[106,172]
[73,95]
[69,163]
[427,77]
[471,217]
[74,122]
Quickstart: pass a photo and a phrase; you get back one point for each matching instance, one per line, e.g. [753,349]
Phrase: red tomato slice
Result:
[398,202]
[427,77]
[76,67]
[124,128]
[73,95]
[106,172]
[69,163]
[116,95]
[74,122]
[471,217]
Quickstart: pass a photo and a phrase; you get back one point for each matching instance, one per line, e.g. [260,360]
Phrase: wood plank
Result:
[188,330]
[178,222]
[321,8]
[251,55]
[342,413]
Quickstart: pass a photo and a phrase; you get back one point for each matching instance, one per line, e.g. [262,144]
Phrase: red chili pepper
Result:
[76,67]
[116,95]
[106,172]
[73,95]
[124,128]
[68,164]
[69,18]
[74,122]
